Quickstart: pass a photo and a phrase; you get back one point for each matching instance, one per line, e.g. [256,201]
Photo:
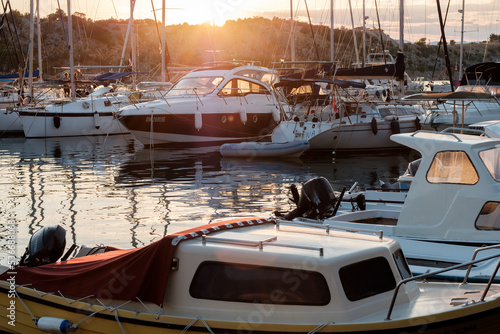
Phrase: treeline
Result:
[260,39]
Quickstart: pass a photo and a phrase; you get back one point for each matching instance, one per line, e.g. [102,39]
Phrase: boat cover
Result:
[118,274]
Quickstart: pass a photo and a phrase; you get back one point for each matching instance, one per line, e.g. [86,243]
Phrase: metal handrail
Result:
[462,130]
[268,241]
[395,295]
[305,222]
[474,257]
[439,133]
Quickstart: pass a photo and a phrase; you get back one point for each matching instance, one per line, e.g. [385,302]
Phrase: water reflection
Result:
[116,192]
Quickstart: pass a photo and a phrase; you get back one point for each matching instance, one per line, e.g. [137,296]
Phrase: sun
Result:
[201,11]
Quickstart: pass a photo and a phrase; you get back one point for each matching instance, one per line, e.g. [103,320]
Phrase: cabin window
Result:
[489,217]
[239,87]
[452,167]
[200,86]
[367,278]
[403,268]
[491,159]
[259,284]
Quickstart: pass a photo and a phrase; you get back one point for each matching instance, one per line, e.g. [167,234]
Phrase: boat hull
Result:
[10,122]
[344,137]
[43,124]
[476,317]
[184,128]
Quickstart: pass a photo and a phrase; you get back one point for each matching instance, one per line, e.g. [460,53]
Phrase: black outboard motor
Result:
[45,246]
[316,200]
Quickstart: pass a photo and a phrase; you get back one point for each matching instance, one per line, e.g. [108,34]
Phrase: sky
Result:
[481,17]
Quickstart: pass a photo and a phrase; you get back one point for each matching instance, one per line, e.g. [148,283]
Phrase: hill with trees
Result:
[260,39]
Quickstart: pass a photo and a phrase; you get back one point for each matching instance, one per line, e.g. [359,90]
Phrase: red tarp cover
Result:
[119,274]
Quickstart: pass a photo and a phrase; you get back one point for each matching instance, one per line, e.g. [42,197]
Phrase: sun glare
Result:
[199,11]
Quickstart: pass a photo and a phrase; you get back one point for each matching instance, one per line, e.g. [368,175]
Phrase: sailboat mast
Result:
[70,47]
[461,42]
[163,41]
[332,45]
[445,46]
[292,37]
[39,36]
[30,59]
[354,34]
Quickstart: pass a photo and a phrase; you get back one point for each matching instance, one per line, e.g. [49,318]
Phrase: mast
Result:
[163,41]
[39,35]
[461,41]
[30,59]
[354,34]
[292,42]
[445,46]
[401,41]
[332,46]
[132,43]
[364,34]
[70,47]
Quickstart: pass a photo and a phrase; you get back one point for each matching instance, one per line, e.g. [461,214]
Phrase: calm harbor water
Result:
[114,191]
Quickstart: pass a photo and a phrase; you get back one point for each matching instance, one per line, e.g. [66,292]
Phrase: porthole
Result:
[224,119]
[255,118]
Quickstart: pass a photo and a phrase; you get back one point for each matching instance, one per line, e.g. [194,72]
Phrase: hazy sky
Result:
[482,17]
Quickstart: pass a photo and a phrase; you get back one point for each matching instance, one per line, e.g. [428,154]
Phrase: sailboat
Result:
[331,119]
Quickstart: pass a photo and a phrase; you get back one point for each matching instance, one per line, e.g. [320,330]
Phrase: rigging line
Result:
[312,31]
[440,41]
[62,22]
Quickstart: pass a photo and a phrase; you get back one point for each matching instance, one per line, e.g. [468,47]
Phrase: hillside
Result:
[101,43]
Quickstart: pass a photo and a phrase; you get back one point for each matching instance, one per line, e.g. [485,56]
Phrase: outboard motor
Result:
[316,200]
[45,246]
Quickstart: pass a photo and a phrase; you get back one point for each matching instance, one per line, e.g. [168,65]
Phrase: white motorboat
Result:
[244,275]
[219,103]
[475,100]
[451,208]
[89,116]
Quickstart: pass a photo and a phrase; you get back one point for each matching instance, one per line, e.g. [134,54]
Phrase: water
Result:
[114,191]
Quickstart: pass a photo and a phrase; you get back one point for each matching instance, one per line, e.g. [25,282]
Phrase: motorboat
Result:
[475,99]
[450,212]
[343,124]
[218,103]
[92,115]
[243,275]
[254,150]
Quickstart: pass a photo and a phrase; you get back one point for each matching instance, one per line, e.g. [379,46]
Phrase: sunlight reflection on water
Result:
[113,191]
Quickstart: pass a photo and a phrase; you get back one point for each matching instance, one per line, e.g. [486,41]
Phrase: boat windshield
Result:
[491,159]
[199,86]
[452,167]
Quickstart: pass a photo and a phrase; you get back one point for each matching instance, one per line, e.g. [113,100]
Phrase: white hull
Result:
[40,126]
[345,137]
[10,122]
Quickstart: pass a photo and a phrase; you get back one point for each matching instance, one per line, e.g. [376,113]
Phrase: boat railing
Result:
[318,224]
[458,266]
[439,133]
[271,241]
[467,130]
[477,251]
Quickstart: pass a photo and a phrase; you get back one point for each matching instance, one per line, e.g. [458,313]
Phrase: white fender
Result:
[54,325]
[97,120]
[198,122]
[276,114]
[243,114]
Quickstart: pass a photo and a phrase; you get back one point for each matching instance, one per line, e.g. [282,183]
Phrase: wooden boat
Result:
[250,275]
[292,149]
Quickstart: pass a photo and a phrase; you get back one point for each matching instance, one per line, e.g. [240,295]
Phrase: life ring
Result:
[374,126]
[57,121]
